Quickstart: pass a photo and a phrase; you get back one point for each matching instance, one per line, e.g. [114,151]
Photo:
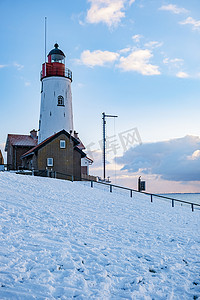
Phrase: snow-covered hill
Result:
[66,240]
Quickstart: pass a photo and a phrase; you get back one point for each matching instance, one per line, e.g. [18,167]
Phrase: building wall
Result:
[77,165]
[85,163]
[17,153]
[84,170]
[30,162]
[9,156]
[35,161]
[65,161]
[1,158]
[14,154]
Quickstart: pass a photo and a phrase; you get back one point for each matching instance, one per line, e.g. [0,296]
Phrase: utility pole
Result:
[104,116]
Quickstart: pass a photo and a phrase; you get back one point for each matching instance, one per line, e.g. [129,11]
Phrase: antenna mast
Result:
[45,39]
[45,45]
[104,116]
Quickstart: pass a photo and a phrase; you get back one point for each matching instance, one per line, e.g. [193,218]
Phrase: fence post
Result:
[192,206]
[72,178]
[151,198]
[111,188]
[131,193]
[172,202]
[55,174]
[91,184]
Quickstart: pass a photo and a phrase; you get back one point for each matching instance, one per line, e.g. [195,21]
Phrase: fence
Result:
[173,200]
[93,179]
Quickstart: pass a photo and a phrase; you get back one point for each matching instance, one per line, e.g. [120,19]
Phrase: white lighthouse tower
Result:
[56,97]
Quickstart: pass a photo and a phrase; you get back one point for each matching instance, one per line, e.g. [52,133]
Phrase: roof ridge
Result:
[49,138]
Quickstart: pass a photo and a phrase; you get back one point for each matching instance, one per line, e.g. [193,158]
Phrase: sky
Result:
[139,60]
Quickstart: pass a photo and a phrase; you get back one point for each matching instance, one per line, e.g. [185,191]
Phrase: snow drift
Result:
[60,239]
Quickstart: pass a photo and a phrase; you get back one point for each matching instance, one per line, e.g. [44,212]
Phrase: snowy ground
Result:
[65,240]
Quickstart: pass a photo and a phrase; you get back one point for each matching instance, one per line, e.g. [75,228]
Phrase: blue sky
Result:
[137,59]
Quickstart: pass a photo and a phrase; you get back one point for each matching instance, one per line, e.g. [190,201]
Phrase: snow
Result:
[66,240]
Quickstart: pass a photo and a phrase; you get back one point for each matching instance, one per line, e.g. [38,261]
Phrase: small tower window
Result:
[62,144]
[60,101]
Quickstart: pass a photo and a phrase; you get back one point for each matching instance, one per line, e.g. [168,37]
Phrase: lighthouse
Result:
[56,98]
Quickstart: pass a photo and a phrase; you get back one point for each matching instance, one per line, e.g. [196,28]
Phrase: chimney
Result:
[33,134]
[75,134]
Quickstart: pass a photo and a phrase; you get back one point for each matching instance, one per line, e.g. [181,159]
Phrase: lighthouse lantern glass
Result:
[57,58]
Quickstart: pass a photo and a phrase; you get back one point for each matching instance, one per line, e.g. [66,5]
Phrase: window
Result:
[49,162]
[61,101]
[62,144]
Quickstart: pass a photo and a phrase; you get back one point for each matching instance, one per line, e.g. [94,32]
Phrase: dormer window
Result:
[60,101]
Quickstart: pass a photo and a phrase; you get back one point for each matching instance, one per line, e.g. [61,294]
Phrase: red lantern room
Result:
[55,65]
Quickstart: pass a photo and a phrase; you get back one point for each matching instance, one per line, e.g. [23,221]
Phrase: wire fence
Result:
[111,187]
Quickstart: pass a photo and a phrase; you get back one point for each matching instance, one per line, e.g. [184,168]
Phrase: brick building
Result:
[58,154]
[16,146]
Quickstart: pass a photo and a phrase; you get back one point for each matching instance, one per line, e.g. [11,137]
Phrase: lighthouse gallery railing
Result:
[56,72]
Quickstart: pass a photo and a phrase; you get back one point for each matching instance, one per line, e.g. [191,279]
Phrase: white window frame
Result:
[49,162]
[62,144]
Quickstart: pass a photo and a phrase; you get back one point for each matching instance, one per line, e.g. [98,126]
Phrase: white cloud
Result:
[182,75]
[175,160]
[195,24]
[2,66]
[137,37]
[18,66]
[125,50]
[80,85]
[195,155]
[109,12]
[153,44]
[173,60]
[97,58]
[174,9]
[139,61]
[27,83]
[175,65]
[131,2]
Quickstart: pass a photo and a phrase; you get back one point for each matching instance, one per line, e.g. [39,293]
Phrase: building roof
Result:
[20,140]
[51,138]
[89,159]
[56,51]
[80,145]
